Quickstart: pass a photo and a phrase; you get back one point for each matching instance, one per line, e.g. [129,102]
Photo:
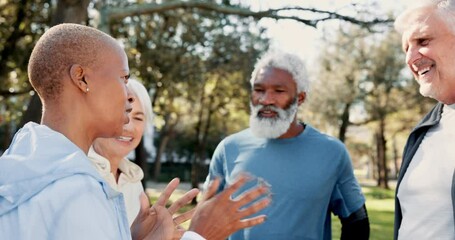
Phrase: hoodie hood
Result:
[37,157]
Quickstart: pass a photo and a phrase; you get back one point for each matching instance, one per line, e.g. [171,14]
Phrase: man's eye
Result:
[424,42]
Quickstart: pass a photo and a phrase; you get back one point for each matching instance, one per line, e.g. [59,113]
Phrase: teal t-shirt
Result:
[310,176]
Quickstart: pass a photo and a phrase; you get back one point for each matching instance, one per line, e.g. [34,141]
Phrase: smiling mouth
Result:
[424,71]
[267,113]
[124,139]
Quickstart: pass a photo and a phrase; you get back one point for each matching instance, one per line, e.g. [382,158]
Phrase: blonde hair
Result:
[58,49]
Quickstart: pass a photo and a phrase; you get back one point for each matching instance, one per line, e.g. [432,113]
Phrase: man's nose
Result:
[412,54]
[268,98]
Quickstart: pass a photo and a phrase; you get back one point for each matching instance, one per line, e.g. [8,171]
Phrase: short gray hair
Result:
[142,95]
[445,9]
[287,62]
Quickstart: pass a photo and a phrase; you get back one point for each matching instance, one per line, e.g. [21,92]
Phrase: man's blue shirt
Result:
[310,176]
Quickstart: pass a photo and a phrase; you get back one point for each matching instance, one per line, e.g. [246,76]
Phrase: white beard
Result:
[427,90]
[272,127]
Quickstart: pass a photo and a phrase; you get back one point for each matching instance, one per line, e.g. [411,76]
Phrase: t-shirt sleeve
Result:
[217,166]
[347,195]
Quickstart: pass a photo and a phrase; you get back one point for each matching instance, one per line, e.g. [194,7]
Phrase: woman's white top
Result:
[129,182]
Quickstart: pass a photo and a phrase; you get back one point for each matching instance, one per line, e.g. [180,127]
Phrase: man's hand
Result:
[219,216]
[157,222]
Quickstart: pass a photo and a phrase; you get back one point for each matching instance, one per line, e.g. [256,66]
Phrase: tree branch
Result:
[141,9]
[366,121]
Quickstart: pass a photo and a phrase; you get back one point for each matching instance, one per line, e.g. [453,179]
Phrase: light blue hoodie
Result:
[50,190]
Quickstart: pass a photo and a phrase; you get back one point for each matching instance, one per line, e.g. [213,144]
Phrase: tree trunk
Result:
[166,135]
[374,165]
[7,138]
[395,157]
[141,160]
[70,11]
[33,112]
[381,156]
[344,122]
[201,153]
[157,165]
[208,123]
[197,148]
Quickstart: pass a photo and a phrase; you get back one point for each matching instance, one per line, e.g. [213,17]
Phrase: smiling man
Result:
[309,172]
[425,201]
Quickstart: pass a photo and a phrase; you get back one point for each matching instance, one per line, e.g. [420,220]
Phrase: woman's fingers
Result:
[166,194]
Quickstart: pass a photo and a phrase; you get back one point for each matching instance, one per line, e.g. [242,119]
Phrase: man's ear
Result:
[301,97]
[77,76]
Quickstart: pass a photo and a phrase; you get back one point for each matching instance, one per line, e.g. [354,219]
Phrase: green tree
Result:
[195,62]
[194,56]
[362,85]
[21,24]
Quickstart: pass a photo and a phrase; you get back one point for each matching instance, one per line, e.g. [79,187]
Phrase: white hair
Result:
[445,9]
[287,62]
[143,97]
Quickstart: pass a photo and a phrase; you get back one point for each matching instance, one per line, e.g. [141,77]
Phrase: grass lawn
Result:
[380,206]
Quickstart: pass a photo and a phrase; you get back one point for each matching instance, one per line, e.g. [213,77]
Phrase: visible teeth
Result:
[126,139]
[423,71]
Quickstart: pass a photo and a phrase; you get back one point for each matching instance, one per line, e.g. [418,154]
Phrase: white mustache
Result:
[259,108]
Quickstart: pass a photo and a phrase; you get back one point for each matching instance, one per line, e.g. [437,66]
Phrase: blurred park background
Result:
[196,56]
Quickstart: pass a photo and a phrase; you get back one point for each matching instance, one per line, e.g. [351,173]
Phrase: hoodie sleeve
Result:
[74,207]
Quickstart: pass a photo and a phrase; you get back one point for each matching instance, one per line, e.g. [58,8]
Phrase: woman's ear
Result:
[77,76]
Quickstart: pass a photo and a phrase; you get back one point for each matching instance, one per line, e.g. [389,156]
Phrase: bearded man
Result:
[310,173]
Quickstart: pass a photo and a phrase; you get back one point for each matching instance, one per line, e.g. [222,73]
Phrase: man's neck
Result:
[294,130]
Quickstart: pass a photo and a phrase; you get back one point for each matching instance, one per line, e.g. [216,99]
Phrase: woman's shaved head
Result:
[58,49]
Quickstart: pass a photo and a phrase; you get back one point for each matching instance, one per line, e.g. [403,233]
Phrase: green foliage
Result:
[363,92]
[378,193]
[21,24]
[380,207]
[197,64]
[154,199]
